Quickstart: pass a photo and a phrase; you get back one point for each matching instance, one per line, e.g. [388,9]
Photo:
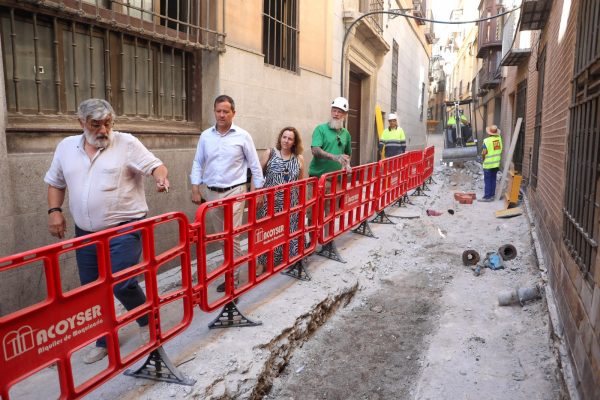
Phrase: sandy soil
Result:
[402,319]
[423,326]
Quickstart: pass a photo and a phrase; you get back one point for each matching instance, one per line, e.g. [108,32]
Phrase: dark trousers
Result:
[125,251]
[489,180]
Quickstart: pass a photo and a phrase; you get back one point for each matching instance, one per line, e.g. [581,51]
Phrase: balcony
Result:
[489,75]
[429,33]
[376,20]
[490,31]
[369,29]
[535,14]
[515,44]
[419,10]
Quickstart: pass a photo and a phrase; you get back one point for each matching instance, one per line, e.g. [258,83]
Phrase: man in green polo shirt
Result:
[331,147]
[331,150]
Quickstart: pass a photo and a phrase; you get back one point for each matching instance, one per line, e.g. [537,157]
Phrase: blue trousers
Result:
[125,252]
[489,180]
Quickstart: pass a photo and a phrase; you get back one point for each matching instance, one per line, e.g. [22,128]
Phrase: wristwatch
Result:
[50,211]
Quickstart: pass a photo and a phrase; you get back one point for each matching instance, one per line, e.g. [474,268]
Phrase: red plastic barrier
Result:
[263,236]
[415,169]
[393,180]
[51,331]
[428,160]
[346,199]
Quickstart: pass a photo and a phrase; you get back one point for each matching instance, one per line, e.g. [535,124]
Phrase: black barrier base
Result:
[231,317]
[400,202]
[330,251]
[298,271]
[403,201]
[425,187]
[430,180]
[364,229]
[158,367]
[382,218]
[419,192]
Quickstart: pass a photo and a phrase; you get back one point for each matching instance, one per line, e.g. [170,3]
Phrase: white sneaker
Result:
[144,334]
[94,355]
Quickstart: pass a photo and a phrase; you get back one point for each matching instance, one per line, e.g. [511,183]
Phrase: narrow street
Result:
[402,319]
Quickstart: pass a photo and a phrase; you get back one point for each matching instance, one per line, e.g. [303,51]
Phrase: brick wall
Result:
[578,300]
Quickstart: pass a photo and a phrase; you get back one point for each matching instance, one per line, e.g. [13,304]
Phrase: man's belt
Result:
[226,189]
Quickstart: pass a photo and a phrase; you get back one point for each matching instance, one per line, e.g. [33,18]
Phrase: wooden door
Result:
[354,100]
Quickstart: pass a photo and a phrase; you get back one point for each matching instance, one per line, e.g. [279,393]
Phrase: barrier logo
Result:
[25,338]
[271,233]
[351,198]
[18,342]
[268,236]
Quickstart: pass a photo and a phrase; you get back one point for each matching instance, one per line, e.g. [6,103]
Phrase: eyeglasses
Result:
[339,141]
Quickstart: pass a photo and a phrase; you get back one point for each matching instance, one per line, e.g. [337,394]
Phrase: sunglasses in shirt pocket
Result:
[109,178]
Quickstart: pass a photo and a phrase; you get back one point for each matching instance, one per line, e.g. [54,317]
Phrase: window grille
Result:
[376,19]
[395,52]
[52,64]
[280,33]
[580,228]
[192,23]
[537,134]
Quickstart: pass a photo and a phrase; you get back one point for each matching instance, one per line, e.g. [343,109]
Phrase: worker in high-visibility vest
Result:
[465,127]
[491,154]
[393,138]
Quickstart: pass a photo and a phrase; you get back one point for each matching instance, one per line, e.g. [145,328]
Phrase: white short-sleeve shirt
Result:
[109,188]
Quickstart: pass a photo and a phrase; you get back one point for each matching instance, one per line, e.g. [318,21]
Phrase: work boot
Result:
[94,355]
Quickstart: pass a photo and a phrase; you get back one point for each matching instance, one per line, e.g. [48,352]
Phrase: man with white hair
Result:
[393,139]
[331,148]
[103,170]
[331,142]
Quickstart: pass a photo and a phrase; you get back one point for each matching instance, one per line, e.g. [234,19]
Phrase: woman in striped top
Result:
[281,165]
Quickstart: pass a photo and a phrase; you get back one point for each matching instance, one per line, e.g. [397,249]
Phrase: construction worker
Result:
[465,127]
[393,139]
[492,153]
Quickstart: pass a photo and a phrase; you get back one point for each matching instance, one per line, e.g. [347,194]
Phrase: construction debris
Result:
[519,295]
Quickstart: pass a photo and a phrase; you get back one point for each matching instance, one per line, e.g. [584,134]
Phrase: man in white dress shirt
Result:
[224,153]
[104,171]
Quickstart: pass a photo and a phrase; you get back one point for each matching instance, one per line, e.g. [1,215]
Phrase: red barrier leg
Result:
[230,317]
[158,367]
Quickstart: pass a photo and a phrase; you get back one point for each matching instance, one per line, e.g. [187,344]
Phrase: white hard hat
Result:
[341,103]
[392,116]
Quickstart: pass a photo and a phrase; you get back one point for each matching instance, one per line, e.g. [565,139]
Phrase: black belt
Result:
[222,190]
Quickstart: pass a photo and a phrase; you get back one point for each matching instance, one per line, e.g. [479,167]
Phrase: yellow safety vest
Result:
[395,134]
[452,120]
[493,145]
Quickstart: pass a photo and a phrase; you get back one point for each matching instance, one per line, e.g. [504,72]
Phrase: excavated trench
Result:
[282,347]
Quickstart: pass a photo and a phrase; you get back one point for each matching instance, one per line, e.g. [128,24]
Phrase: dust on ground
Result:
[423,326]
[402,319]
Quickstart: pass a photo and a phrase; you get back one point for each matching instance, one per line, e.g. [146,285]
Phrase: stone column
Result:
[7,220]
